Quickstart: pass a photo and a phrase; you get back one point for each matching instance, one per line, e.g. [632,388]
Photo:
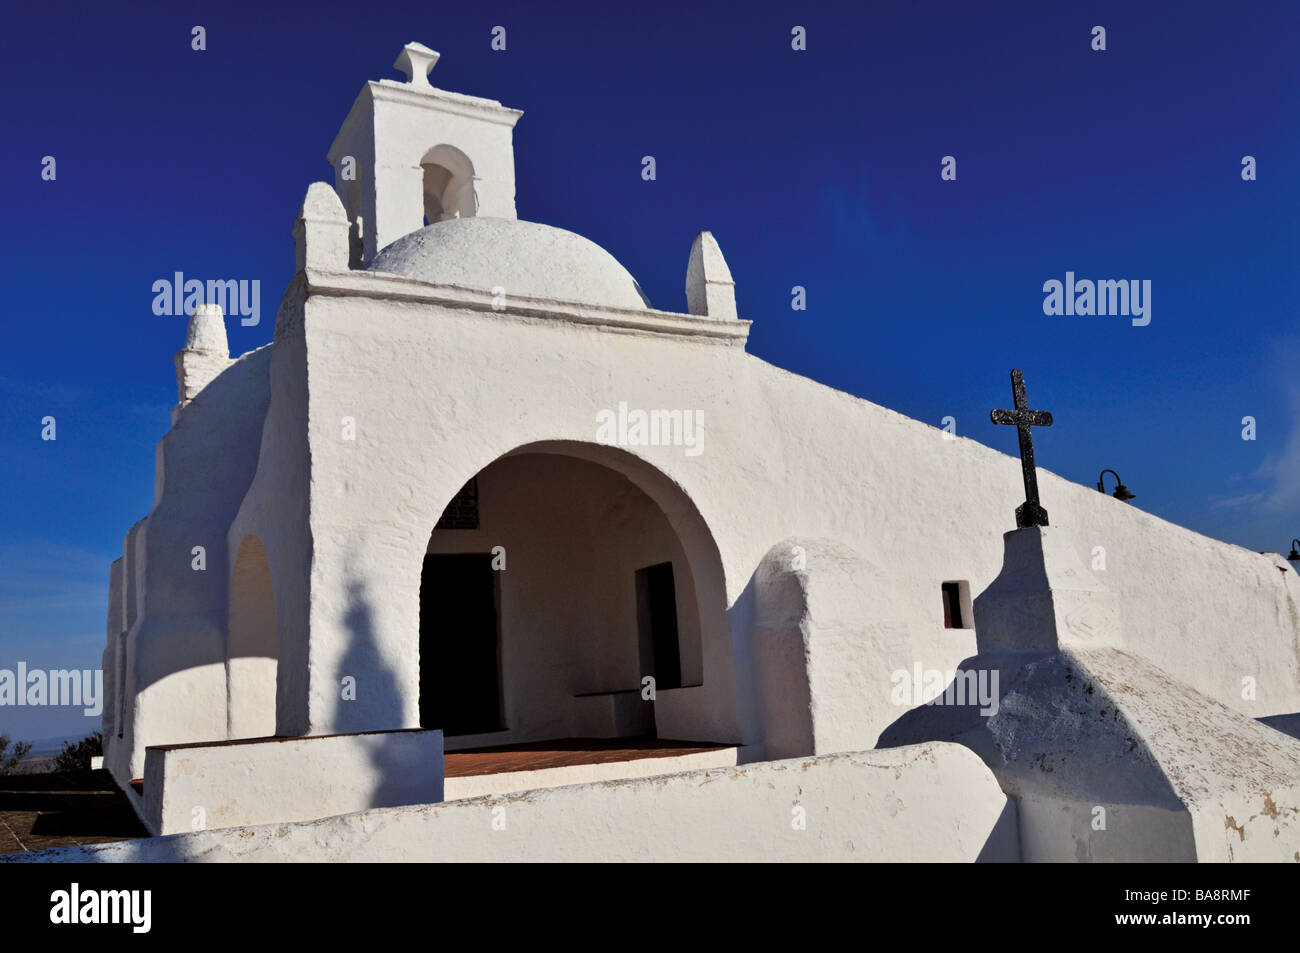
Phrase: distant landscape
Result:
[40,760]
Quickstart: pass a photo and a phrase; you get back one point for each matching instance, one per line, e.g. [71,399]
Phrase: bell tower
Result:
[410,155]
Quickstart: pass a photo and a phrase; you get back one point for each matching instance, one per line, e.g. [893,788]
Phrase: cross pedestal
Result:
[1045,598]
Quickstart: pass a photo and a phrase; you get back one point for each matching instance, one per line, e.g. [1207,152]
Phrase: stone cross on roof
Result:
[1031,512]
[415,61]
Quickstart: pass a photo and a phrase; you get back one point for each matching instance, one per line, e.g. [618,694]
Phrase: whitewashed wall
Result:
[175,643]
[924,803]
[438,391]
[238,783]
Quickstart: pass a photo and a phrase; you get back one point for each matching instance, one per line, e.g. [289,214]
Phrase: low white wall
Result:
[818,640]
[934,802]
[236,783]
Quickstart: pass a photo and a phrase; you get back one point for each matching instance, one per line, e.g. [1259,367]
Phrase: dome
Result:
[524,258]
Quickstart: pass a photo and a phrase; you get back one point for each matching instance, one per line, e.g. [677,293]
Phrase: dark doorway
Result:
[460,674]
[656,616]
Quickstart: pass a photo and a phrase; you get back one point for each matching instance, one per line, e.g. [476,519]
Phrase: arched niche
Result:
[252,645]
[448,184]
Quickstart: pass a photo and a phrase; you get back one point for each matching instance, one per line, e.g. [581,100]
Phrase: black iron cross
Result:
[1031,512]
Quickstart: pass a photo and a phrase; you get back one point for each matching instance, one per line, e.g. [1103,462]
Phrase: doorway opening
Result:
[460,645]
[656,613]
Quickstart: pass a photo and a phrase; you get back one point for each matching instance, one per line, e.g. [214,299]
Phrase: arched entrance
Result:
[558,580]
[252,647]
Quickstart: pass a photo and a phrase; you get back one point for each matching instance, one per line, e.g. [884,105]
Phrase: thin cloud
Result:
[55,393]
[1283,469]
[1246,499]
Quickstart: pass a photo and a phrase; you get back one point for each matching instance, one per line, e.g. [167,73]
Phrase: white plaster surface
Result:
[520,258]
[321,231]
[1100,736]
[933,802]
[710,290]
[1107,756]
[1045,598]
[818,637]
[205,355]
[206,330]
[288,779]
[174,671]
[1238,779]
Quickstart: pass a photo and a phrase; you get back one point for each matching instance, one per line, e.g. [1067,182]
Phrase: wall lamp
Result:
[1121,491]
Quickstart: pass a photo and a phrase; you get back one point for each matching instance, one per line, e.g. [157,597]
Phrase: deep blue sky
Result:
[816,168]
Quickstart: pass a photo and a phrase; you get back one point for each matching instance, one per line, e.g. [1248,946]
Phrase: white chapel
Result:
[485,528]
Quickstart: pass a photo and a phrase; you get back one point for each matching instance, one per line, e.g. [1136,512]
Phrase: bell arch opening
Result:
[448,176]
[573,591]
[252,646]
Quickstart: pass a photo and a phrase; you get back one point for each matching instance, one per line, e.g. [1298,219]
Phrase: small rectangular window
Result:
[956,605]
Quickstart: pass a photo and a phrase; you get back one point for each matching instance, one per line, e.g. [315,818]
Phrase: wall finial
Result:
[415,61]
[205,355]
[710,291]
[321,232]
